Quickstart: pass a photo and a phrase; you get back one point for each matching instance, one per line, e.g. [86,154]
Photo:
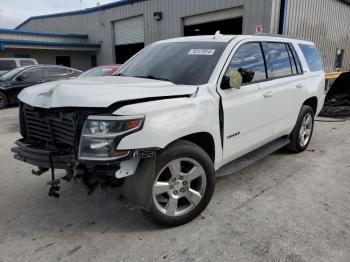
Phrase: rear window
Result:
[7,65]
[312,57]
[26,62]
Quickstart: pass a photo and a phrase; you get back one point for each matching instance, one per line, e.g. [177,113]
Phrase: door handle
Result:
[268,94]
[300,85]
[40,81]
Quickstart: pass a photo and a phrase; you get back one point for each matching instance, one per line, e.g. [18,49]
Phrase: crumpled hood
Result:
[99,91]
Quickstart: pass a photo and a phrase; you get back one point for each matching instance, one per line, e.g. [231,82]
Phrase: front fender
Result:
[170,119]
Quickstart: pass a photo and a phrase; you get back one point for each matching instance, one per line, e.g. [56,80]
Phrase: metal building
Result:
[124,27]
[73,50]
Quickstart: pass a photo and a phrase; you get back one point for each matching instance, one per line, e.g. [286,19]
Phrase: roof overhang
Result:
[45,34]
[25,44]
[85,11]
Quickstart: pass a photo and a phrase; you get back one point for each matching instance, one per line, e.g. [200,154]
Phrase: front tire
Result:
[184,184]
[3,100]
[301,135]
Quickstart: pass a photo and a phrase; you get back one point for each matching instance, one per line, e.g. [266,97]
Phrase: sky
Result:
[14,12]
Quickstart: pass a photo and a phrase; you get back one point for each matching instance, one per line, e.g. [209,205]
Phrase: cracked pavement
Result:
[285,207]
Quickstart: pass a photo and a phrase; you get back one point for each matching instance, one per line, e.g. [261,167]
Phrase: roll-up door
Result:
[228,21]
[129,31]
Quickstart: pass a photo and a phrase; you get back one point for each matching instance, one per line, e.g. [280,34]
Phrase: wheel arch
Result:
[312,102]
[202,139]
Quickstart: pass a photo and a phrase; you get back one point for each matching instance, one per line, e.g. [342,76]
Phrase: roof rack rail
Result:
[279,35]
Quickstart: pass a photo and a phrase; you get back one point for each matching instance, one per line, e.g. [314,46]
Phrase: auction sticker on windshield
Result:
[201,52]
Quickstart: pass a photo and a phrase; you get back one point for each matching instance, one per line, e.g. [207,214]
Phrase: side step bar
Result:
[252,157]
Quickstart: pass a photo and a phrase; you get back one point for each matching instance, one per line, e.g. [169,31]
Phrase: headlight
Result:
[101,135]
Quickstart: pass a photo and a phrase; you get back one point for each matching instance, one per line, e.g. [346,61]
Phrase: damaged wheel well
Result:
[203,140]
[312,102]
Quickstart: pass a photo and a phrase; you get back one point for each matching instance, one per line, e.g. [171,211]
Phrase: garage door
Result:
[214,16]
[129,31]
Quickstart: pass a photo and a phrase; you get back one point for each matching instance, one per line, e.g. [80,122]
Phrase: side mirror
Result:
[232,80]
[20,78]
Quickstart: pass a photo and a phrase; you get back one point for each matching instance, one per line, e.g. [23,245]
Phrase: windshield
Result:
[186,63]
[10,74]
[99,71]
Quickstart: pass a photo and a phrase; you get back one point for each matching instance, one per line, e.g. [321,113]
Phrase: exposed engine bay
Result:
[51,140]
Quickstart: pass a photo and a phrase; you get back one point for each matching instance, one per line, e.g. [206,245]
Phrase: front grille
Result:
[53,128]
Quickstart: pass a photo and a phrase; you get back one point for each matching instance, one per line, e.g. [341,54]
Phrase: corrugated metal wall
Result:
[99,25]
[325,22]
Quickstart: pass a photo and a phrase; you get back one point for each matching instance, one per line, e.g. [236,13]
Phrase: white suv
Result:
[177,115]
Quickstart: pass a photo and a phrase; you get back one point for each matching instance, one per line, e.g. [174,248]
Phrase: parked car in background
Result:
[107,70]
[7,64]
[14,81]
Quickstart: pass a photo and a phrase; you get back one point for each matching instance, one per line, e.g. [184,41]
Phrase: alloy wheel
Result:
[179,187]
[305,130]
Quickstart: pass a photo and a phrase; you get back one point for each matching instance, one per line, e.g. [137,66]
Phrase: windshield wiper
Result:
[154,78]
[120,74]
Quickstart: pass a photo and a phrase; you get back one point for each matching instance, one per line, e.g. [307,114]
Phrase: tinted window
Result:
[187,63]
[7,65]
[26,62]
[292,61]
[34,73]
[312,57]
[277,60]
[249,62]
[56,71]
[296,59]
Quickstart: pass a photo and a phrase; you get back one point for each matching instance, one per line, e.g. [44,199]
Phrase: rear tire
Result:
[184,184]
[3,100]
[302,132]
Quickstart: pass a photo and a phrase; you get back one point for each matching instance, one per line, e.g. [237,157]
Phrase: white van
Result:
[7,64]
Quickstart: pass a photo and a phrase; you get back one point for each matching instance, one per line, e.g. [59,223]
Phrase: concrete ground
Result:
[284,208]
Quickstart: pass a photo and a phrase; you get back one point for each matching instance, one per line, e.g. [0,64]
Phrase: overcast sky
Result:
[14,12]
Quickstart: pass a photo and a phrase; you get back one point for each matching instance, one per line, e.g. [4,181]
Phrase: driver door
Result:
[248,116]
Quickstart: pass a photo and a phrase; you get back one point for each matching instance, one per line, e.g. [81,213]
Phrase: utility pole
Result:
[80,3]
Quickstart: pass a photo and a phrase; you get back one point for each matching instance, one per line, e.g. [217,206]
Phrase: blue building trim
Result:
[85,11]
[42,43]
[25,32]
[283,13]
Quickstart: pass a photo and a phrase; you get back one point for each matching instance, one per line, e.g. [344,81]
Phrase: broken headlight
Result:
[101,135]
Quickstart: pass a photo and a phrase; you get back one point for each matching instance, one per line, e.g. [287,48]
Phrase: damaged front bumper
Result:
[134,176]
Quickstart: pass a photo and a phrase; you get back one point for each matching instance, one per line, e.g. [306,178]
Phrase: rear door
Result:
[248,116]
[285,89]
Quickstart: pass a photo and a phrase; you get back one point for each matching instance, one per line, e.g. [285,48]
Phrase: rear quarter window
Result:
[312,57]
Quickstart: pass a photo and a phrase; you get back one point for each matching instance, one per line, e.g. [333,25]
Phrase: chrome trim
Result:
[94,117]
